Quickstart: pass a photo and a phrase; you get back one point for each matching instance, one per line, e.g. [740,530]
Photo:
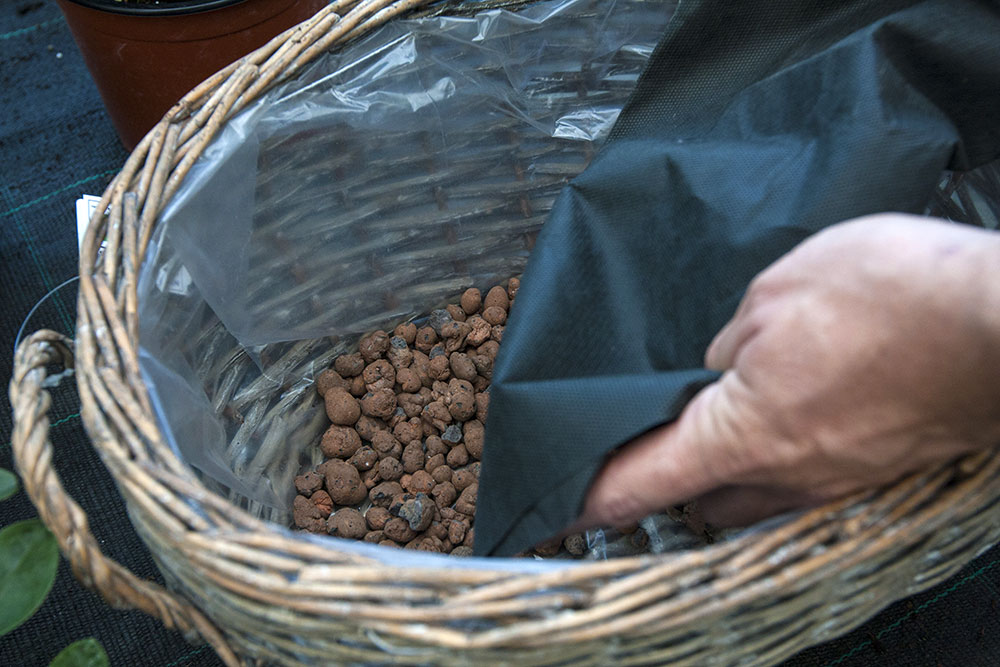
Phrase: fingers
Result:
[722,351]
[667,466]
[732,506]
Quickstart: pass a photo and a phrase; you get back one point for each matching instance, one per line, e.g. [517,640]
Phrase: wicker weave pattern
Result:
[253,589]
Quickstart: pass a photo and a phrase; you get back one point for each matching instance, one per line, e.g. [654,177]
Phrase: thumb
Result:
[666,466]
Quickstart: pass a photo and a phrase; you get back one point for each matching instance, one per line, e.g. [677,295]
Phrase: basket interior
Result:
[380,183]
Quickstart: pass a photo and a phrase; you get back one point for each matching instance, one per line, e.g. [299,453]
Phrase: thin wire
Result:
[20,331]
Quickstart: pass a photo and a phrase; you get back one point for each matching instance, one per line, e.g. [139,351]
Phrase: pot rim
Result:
[177,8]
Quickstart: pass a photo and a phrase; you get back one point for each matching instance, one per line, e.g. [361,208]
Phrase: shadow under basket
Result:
[256,590]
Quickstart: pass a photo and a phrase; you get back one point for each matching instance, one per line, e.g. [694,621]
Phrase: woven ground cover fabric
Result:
[56,143]
[827,111]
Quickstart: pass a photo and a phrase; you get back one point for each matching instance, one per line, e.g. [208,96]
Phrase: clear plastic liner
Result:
[380,183]
[374,188]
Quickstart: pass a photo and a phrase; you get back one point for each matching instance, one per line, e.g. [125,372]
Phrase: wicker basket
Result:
[257,591]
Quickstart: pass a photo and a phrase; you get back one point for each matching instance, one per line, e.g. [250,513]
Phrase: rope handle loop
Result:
[33,452]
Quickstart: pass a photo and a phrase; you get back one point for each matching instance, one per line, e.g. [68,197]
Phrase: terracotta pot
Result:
[146,57]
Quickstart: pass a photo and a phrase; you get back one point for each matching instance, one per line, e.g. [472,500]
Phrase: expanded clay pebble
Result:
[513,285]
[364,459]
[340,442]
[495,316]
[380,403]
[309,482]
[382,494]
[379,374]
[376,517]
[306,515]
[341,407]
[399,530]
[471,301]
[373,346]
[321,499]
[408,332]
[407,412]
[399,354]
[349,365]
[425,340]
[496,298]
[480,331]
[413,457]
[347,522]
[408,380]
[473,433]
[343,483]
[420,482]
[390,469]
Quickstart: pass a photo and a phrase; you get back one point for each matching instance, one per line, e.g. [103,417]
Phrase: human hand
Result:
[870,350]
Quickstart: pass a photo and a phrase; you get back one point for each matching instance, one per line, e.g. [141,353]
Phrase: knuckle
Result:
[617,506]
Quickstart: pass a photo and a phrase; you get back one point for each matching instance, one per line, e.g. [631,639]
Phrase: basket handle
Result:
[66,519]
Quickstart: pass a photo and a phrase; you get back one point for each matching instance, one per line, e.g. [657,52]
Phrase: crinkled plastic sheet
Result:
[380,183]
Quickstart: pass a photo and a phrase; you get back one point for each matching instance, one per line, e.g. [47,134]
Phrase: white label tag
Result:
[85,207]
[179,282]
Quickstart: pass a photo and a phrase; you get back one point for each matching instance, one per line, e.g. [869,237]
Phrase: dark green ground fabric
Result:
[56,144]
[755,125]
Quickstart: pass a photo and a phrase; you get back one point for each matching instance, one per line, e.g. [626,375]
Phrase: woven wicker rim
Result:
[650,605]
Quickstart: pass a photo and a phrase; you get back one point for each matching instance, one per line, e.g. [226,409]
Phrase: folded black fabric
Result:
[755,125]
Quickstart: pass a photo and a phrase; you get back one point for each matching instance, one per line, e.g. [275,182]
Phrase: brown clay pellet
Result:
[442,473]
[435,461]
[347,522]
[380,374]
[413,457]
[390,469]
[307,483]
[458,456]
[513,285]
[364,459]
[456,312]
[495,315]
[376,517]
[421,482]
[340,442]
[444,494]
[496,298]
[382,494]
[373,346]
[380,403]
[343,483]
[471,300]
[342,408]
[349,365]
[321,499]
[408,332]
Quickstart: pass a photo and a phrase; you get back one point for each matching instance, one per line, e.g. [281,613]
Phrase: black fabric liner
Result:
[56,143]
[755,125]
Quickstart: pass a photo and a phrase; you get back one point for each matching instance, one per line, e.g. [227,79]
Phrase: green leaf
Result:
[8,484]
[29,556]
[83,653]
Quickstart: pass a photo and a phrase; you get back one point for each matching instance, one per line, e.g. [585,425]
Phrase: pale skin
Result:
[869,351]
